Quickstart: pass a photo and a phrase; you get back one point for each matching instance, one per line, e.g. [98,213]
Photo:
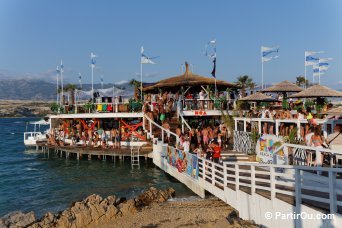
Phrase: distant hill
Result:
[33,89]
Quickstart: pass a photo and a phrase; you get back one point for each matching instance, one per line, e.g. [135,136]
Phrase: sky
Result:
[35,35]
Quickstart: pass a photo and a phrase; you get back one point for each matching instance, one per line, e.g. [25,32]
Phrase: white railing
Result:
[315,186]
[302,183]
[302,155]
[163,130]
[182,119]
[277,122]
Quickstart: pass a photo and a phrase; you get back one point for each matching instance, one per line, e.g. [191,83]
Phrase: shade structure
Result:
[188,79]
[284,86]
[258,97]
[335,111]
[317,91]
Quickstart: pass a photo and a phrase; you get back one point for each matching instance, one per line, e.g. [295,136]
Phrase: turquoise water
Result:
[31,181]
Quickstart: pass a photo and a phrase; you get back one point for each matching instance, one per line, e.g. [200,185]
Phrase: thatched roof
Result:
[258,97]
[317,91]
[335,111]
[284,86]
[188,79]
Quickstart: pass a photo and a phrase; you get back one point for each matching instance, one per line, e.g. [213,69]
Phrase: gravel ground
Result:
[196,213]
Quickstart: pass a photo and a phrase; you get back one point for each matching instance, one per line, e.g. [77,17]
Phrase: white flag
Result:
[266,59]
[145,59]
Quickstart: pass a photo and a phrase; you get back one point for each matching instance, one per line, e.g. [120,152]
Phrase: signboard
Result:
[200,113]
[266,147]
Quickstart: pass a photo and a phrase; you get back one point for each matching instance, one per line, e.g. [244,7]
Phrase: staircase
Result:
[234,156]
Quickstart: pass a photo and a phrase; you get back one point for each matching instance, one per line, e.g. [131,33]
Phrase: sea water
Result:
[32,181]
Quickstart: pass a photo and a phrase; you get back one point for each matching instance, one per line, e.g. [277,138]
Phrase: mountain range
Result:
[37,89]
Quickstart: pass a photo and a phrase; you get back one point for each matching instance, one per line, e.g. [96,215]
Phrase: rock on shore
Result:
[24,108]
[92,211]
[149,209]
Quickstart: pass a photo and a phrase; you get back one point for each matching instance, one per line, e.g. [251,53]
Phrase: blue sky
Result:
[35,35]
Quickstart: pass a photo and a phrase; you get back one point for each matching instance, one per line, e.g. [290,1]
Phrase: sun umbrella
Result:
[317,91]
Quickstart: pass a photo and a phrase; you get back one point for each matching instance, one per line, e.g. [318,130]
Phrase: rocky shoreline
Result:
[149,209]
[24,108]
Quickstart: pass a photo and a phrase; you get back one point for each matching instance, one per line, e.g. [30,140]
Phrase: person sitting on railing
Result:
[199,151]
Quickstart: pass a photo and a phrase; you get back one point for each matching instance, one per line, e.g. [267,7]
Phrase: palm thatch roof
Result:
[188,79]
[317,91]
[284,86]
[258,97]
[335,111]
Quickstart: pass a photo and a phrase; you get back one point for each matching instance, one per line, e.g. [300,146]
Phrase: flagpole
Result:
[57,87]
[305,69]
[319,72]
[262,72]
[141,83]
[92,81]
[62,81]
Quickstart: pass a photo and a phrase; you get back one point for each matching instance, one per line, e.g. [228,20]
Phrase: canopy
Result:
[109,92]
[317,91]
[188,79]
[258,97]
[284,86]
[40,122]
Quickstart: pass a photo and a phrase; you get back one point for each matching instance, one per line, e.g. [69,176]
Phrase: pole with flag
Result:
[310,60]
[265,52]
[323,66]
[80,80]
[93,61]
[212,56]
[62,70]
[144,60]
[58,71]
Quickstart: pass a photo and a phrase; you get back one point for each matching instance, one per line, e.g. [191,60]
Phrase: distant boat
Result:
[32,137]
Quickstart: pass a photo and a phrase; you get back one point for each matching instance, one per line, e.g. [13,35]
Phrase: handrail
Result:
[183,120]
[216,178]
[163,129]
[312,148]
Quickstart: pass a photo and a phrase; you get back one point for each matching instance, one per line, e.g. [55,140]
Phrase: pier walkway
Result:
[271,195]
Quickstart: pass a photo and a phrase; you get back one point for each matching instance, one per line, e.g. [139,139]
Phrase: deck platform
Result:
[85,151]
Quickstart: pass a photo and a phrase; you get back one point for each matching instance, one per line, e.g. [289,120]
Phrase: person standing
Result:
[217,152]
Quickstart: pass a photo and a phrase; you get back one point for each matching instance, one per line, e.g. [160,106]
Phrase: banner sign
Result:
[266,147]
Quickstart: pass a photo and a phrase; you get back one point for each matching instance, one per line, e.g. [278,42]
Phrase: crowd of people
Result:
[76,133]
[205,141]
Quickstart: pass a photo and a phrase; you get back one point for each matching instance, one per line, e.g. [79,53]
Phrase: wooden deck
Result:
[80,151]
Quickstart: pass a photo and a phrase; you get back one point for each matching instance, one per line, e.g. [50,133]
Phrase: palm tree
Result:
[136,85]
[244,81]
[301,81]
[71,89]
